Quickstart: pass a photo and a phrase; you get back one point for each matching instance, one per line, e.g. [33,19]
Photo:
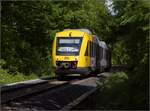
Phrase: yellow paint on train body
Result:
[83,61]
[77,51]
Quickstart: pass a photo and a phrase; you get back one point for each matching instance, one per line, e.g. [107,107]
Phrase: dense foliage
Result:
[28,29]
[133,30]
[130,45]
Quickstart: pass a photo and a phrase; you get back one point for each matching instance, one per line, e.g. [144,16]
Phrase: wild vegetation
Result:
[28,29]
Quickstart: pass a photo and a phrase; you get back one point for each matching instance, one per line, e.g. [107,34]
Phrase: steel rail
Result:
[63,96]
[24,84]
[21,89]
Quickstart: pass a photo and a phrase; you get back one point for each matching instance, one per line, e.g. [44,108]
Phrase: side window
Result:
[91,49]
[87,48]
[94,49]
[102,52]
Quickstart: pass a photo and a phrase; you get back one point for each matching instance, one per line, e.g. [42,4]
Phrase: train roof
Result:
[103,44]
[99,42]
[96,37]
[83,30]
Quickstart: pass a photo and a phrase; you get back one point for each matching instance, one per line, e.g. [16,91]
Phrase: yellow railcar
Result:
[77,51]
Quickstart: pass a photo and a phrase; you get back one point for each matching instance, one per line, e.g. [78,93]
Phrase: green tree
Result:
[28,29]
[132,18]
[24,36]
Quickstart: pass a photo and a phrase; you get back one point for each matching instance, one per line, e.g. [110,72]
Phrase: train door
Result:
[87,54]
[92,56]
[97,54]
[101,58]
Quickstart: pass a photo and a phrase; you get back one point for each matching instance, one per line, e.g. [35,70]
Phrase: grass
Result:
[6,78]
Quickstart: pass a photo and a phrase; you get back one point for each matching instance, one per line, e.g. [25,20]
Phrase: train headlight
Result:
[58,64]
[74,64]
[66,65]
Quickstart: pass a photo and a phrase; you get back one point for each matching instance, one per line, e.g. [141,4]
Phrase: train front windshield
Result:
[68,46]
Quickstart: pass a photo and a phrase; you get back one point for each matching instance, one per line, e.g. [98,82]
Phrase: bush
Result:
[115,80]
[113,92]
[11,78]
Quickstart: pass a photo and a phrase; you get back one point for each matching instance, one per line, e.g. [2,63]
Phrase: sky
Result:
[109,4]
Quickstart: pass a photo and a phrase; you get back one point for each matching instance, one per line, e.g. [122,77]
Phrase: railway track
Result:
[12,91]
[48,94]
